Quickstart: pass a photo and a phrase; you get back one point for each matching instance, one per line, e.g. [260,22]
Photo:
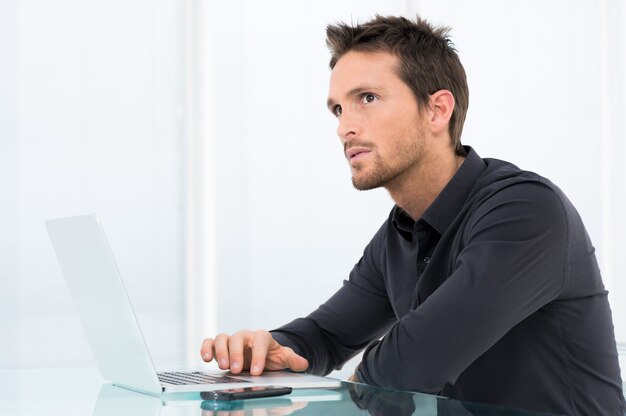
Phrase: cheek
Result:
[398,116]
[383,127]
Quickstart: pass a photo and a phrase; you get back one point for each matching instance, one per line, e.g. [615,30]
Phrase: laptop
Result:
[112,329]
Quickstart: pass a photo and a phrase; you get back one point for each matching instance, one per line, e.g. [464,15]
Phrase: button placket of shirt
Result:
[422,234]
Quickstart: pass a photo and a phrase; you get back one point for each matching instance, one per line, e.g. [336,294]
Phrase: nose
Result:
[348,127]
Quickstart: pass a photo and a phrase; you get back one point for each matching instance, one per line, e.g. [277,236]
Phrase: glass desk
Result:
[83,392]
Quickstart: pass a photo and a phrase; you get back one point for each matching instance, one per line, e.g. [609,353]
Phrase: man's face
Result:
[379,121]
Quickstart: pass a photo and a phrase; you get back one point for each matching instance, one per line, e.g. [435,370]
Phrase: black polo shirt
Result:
[494,295]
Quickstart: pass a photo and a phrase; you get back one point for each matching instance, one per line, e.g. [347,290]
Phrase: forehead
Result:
[357,68]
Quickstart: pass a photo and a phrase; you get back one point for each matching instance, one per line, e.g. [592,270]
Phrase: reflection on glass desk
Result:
[81,392]
[350,399]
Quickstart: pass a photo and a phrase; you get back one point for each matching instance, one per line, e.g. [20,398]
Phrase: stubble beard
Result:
[383,174]
[380,175]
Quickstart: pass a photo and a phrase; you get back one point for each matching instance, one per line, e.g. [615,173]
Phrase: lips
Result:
[356,151]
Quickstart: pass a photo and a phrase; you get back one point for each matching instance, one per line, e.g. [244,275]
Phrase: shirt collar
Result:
[451,199]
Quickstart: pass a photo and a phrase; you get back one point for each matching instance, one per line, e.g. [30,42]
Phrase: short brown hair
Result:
[428,60]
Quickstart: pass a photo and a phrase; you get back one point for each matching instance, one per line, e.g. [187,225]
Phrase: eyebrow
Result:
[330,103]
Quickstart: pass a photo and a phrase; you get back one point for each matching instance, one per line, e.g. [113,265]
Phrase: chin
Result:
[365,184]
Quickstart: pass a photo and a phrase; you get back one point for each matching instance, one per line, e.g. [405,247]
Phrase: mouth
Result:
[356,152]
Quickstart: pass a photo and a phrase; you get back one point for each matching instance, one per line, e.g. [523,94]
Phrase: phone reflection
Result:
[258,407]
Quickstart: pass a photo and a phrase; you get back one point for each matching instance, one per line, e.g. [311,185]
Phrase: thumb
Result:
[294,361]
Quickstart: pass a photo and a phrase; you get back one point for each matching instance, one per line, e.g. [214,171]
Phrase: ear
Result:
[440,111]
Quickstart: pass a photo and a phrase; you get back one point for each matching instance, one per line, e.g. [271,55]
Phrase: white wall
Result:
[91,105]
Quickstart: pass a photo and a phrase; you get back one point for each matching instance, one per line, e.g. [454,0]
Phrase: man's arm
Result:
[344,325]
[340,328]
[352,318]
[512,263]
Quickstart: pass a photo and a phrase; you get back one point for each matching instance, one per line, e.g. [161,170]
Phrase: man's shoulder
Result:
[498,170]
[504,185]
[500,175]
[491,176]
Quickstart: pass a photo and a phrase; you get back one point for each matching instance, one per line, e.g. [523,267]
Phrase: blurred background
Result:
[198,132]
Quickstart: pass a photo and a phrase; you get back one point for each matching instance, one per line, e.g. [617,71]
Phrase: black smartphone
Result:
[242,393]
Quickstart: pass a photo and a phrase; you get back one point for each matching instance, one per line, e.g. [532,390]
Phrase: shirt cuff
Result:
[362,371]
[284,340]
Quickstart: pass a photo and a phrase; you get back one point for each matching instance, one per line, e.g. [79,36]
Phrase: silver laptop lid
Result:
[106,313]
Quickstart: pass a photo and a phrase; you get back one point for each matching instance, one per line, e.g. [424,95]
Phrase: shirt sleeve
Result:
[345,324]
[512,261]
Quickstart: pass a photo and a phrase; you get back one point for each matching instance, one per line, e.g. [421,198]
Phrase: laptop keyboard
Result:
[196,377]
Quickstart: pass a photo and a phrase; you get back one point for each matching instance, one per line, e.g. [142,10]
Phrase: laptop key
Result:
[196,377]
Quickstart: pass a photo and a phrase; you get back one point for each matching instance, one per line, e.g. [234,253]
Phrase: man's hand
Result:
[269,411]
[251,350]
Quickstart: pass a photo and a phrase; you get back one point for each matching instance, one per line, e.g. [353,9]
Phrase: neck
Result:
[415,191]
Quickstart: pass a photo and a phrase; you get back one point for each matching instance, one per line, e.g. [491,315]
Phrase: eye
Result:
[337,110]
[368,97]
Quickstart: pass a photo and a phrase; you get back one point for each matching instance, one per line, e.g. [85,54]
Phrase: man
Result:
[482,285]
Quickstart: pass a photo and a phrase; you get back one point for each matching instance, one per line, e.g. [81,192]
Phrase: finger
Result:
[236,345]
[220,351]
[287,410]
[260,346]
[294,361]
[206,350]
